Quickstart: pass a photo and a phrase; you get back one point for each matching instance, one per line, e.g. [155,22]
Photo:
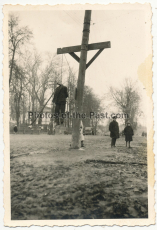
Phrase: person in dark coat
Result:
[128,132]
[114,131]
[59,99]
[15,129]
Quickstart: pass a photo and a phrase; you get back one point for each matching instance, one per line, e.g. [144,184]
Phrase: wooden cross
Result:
[94,46]
[83,48]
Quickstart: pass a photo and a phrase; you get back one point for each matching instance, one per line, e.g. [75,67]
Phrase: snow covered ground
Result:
[49,181]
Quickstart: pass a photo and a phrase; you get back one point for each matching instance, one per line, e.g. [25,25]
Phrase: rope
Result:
[68,65]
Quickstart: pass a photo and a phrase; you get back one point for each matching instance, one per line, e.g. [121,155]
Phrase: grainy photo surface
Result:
[78,115]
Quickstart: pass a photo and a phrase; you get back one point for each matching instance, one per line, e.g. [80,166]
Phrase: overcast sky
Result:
[127,30]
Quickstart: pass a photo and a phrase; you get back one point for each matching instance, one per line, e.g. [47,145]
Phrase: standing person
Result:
[128,132]
[114,131]
[15,129]
[59,99]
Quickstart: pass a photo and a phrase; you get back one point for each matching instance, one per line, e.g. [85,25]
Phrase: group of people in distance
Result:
[114,132]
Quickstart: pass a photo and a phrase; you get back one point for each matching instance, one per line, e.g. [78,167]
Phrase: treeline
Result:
[33,77]
[127,100]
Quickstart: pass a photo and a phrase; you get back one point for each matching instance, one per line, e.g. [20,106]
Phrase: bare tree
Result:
[17,37]
[40,77]
[32,72]
[127,99]
[17,92]
[92,103]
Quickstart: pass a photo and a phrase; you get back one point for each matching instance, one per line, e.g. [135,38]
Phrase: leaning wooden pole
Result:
[81,80]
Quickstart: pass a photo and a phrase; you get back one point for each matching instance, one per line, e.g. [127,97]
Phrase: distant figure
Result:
[81,134]
[114,131]
[59,99]
[144,134]
[15,129]
[128,132]
[51,128]
[93,131]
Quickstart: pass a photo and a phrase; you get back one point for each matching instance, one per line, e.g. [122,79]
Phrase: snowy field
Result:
[49,181]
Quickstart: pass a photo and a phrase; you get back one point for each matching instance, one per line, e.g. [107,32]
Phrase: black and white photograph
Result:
[78,114]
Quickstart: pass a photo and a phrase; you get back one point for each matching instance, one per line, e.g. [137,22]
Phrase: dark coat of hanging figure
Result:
[128,132]
[114,131]
[59,99]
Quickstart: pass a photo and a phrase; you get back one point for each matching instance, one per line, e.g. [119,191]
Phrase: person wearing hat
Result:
[59,99]
[114,131]
[128,132]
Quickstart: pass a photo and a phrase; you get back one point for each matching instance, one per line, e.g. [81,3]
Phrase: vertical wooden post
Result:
[81,80]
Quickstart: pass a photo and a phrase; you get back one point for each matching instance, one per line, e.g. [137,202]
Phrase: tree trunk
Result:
[11,68]
[17,111]
[40,115]
[33,111]
[23,111]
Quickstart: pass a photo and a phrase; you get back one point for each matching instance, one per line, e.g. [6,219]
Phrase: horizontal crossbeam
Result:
[94,57]
[93,46]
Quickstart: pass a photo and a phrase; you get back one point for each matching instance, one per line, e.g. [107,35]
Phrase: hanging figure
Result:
[128,132]
[59,99]
[114,131]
